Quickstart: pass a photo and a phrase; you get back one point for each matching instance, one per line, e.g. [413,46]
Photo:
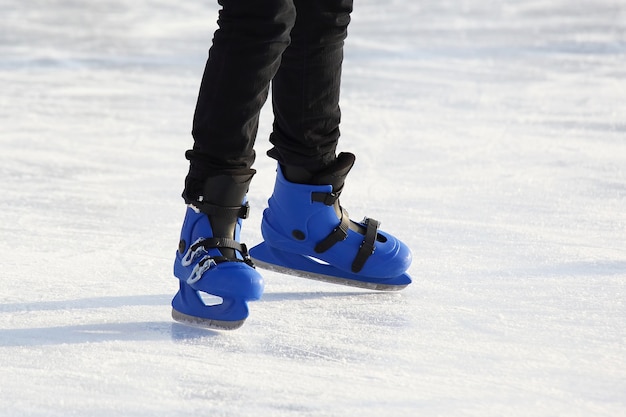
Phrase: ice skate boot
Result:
[211,260]
[307,233]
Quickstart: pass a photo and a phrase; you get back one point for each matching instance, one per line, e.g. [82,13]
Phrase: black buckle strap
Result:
[327,198]
[241,212]
[220,243]
[367,247]
[224,243]
[338,234]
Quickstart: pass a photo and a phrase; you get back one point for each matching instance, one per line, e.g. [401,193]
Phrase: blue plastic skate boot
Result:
[307,233]
[211,260]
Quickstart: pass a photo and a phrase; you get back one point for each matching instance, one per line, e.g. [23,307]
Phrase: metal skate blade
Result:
[328,278]
[206,323]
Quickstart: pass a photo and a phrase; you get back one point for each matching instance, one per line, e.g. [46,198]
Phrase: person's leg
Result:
[244,57]
[305,91]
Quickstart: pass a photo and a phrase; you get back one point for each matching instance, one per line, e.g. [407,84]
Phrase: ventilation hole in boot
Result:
[182,245]
[380,238]
[298,234]
[210,299]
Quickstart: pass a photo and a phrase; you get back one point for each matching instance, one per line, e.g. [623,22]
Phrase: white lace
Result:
[190,255]
[205,264]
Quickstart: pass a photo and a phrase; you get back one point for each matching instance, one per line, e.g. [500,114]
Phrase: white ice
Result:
[490,136]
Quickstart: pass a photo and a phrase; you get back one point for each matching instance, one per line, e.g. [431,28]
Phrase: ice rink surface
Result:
[490,136]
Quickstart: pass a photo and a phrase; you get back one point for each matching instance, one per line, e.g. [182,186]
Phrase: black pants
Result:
[297,45]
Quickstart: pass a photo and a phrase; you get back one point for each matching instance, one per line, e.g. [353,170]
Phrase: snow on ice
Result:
[490,136]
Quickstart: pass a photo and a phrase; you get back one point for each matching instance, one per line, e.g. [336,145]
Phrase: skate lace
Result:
[195,250]
[201,267]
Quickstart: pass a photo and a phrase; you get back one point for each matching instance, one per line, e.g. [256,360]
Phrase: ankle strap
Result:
[241,212]
[327,198]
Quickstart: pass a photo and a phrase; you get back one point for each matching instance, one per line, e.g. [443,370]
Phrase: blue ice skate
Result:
[307,233]
[211,260]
